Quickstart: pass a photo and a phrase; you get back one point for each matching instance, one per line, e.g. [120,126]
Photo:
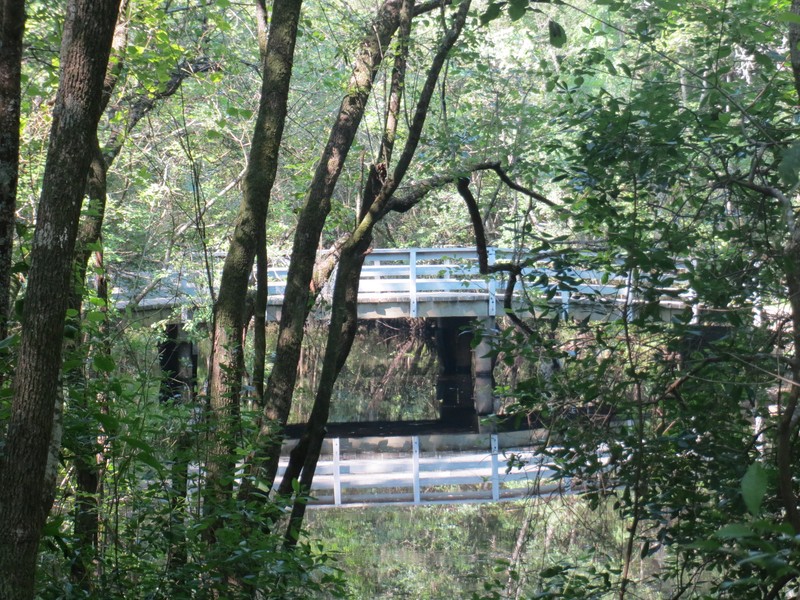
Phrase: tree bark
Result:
[227,360]
[343,320]
[88,461]
[12,25]
[85,49]
[87,468]
[786,436]
[378,190]
[280,387]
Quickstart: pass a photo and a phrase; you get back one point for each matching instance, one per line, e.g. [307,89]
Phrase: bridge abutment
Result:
[483,369]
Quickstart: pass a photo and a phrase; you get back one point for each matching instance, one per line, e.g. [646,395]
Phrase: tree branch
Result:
[143,104]
[514,271]
[427,7]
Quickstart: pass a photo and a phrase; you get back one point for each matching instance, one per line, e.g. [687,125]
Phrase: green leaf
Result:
[517,9]
[150,461]
[103,362]
[558,37]
[789,167]
[492,12]
[754,486]
[10,341]
[734,531]
[95,316]
[109,422]
[705,545]
[71,364]
[788,17]
[138,443]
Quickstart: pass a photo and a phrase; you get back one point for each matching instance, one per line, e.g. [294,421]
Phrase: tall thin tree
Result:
[12,25]
[85,49]
[227,360]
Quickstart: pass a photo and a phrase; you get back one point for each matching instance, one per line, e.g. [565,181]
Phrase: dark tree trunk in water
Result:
[85,49]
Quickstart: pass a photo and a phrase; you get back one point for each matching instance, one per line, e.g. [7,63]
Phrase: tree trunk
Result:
[85,49]
[227,360]
[786,436]
[344,321]
[280,387]
[88,461]
[377,193]
[87,468]
[12,25]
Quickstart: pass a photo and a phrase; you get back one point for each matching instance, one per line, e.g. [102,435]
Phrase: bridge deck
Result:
[435,282]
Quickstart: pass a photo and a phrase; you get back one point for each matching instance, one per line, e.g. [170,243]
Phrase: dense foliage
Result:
[653,145]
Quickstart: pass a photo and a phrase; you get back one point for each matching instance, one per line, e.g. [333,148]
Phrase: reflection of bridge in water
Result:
[433,469]
[443,285]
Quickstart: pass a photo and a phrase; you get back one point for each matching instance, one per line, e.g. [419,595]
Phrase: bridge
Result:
[423,283]
[472,464]
[440,284]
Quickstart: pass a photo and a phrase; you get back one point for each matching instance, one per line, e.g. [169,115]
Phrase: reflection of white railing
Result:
[419,477]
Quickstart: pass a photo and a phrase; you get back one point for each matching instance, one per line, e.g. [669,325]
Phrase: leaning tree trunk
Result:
[280,387]
[227,359]
[377,194]
[344,308]
[85,49]
[12,24]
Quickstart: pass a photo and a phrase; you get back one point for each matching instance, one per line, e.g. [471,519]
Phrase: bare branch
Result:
[414,193]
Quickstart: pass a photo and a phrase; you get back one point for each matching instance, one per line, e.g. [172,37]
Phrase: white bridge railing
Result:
[452,274]
[415,476]
[424,282]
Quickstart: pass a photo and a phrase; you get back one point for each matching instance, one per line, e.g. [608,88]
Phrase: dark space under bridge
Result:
[408,463]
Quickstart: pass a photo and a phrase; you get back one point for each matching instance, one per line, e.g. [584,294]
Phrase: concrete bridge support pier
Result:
[483,370]
[465,383]
[178,359]
[454,382]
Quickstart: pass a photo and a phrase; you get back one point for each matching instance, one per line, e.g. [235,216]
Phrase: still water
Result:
[390,374]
